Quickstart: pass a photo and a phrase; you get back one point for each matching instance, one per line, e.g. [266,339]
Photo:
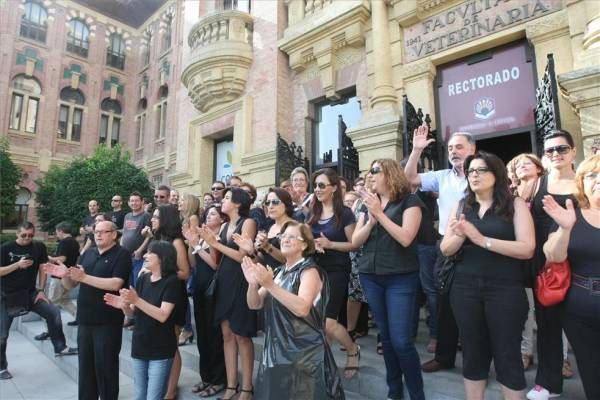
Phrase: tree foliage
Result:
[63,193]
[10,179]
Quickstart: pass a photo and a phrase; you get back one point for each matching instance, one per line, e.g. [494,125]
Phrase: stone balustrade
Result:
[229,25]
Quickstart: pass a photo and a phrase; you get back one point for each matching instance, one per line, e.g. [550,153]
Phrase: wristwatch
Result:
[488,243]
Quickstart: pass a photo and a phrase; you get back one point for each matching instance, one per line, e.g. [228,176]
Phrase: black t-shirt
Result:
[427,234]
[333,260]
[154,340]
[69,248]
[10,253]
[118,217]
[113,263]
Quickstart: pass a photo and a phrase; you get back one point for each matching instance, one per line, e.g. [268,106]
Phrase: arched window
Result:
[26,92]
[110,121]
[167,34]
[78,37]
[161,112]
[19,214]
[34,22]
[242,5]
[70,115]
[115,53]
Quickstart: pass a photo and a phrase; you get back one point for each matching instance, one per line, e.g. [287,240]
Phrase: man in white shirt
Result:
[450,184]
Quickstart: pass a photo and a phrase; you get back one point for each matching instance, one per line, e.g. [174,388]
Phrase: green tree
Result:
[10,179]
[63,193]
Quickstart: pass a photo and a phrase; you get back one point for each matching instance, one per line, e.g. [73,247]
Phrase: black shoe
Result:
[434,366]
[42,336]
[5,375]
[67,351]
[73,323]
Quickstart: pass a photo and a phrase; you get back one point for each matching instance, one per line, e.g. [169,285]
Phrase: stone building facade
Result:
[211,100]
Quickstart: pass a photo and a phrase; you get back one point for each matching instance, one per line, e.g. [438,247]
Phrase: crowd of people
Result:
[304,266]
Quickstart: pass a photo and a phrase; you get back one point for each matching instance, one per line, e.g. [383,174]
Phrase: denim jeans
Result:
[136,267]
[392,299]
[427,257]
[150,378]
[47,311]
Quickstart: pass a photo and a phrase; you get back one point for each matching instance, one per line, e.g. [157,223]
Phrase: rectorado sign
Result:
[468,21]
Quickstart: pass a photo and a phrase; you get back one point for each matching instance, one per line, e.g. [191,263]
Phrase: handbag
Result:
[444,274]
[553,282]
[17,303]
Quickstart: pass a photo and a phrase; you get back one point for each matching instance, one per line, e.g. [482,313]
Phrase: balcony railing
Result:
[225,25]
[314,6]
[114,59]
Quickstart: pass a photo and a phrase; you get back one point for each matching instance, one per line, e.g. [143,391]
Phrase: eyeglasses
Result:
[322,185]
[215,188]
[117,200]
[291,237]
[375,171]
[156,196]
[26,235]
[360,184]
[477,171]
[591,176]
[274,202]
[103,232]
[562,149]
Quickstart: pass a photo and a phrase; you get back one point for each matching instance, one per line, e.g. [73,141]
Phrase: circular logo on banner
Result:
[485,108]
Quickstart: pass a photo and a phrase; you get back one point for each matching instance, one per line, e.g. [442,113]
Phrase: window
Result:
[78,38]
[139,129]
[26,94]
[326,127]
[110,122]
[161,112]
[34,23]
[166,38]
[242,5]
[19,214]
[146,50]
[70,114]
[115,53]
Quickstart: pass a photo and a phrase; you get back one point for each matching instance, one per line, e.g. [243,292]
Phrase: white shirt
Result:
[450,187]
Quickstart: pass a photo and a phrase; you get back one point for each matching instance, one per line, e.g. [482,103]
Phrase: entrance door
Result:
[506,146]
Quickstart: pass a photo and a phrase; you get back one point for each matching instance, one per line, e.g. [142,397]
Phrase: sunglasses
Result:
[273,203]
[26,235]
[214,189]
[562,149]
[160,197]
[477,171]
[103,232]
[117,200]
[375,171]
[322,185]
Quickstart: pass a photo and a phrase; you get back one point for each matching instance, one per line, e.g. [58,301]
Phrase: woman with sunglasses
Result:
[559,152]
[332,225]
[205,260]
[494,234]
[152,301]
[238,323]
[296,362]
[279,207]
[389,270]
[576,237]
[167,226]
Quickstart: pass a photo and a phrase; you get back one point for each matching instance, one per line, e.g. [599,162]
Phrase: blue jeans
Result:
[136,266]
[150,378]
[392,299]
[427,255]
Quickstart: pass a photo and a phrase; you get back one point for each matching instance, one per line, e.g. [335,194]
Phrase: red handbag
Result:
[553,282]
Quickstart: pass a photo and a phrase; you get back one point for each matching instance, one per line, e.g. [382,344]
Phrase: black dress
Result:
[231,289]
[210,337]
[296,362]
[268,258]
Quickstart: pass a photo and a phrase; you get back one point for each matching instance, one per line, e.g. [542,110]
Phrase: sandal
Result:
[350,372]
[212,390]
[200,386]
[235,389]
[251,391]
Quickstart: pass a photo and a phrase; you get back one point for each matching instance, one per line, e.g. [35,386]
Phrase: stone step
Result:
[369,383]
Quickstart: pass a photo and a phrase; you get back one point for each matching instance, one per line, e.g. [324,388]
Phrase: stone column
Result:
[383,92]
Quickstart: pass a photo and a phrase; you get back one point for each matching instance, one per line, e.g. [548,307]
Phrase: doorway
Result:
[507,146]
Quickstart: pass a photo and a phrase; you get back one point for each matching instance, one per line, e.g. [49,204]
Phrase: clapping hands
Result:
[257,274]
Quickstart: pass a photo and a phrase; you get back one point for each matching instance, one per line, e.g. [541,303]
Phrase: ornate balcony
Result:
[221,56]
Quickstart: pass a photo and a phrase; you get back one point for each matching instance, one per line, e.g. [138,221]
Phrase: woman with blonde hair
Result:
[389,270]
[189,210]
[576,236]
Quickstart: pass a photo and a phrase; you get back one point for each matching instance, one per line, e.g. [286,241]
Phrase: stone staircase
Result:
[368,384]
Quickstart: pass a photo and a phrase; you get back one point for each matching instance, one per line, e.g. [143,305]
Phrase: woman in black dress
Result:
[296,362]
[205,260]
[494,234]
[166,225]
[238,322]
